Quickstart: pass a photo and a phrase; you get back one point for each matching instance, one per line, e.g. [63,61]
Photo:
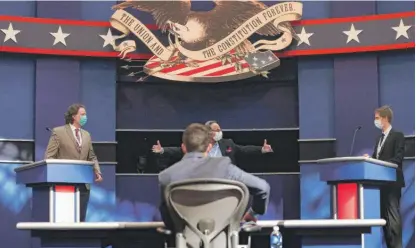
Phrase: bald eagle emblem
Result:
[207,46]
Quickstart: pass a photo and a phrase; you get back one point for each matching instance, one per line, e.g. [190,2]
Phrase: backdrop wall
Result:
[36,90]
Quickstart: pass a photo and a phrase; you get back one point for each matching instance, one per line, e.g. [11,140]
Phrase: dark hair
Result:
[72,110]
[196,138]
[209,123]
[385,111]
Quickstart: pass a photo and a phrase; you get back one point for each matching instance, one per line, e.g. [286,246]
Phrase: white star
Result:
[10,33]
[401,30]
[304,37]
[352,34]
[263,62]
[108,38]
[270,58]
[59,37]
[255,59]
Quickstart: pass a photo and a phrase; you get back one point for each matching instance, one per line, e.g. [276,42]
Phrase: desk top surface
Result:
[324,223]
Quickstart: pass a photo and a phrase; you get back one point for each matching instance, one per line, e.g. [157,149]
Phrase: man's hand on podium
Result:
[98,177]
[366,155]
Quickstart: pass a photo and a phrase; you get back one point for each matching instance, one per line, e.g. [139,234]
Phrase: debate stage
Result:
[355,220]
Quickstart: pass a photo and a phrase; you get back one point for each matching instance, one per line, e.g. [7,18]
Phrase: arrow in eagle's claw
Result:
[134,60]
[132,74]
[131,66]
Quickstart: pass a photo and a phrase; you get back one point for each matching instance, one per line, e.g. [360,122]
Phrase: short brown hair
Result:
[196,138]
[385,112]
[72,110]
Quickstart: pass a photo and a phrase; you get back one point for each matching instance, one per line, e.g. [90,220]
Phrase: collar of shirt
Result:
[195,155]
[386,133]
[73,128]
[215,150]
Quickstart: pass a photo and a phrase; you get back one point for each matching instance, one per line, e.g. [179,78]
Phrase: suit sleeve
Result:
[172,151]
[93,158]
[247,149]
[259,188]
[399,145]
[53,147]
[375,149]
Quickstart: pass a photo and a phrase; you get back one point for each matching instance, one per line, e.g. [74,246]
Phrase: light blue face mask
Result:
[83,120]
[377,123]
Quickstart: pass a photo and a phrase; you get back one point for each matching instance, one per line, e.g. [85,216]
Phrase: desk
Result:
[134,234]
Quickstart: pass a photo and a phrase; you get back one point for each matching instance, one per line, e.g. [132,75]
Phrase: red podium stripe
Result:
[65,188]
[347,201]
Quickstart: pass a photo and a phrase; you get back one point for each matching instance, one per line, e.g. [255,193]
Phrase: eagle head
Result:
[192,32]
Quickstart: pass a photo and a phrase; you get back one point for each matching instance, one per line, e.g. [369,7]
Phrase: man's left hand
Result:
[266,147]
[98,177]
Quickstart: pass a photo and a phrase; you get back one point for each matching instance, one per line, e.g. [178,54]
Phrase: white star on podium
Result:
[401,30]
[108,38]
[352,34]
[304,37]
[59,36]
[10,33]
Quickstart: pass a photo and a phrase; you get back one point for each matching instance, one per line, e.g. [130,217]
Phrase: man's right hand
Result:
[157,148]
[248,217]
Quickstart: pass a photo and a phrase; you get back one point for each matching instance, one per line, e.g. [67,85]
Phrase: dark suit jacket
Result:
[393,152]
[195,165]
[227,146]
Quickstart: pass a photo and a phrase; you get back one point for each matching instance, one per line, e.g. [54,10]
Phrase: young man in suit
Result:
[390,147]
[196,144]
[220,147]
[72,142]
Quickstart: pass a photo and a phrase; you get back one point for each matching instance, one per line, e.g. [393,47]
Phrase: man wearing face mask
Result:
[72,142]
[220,147]
[390,147]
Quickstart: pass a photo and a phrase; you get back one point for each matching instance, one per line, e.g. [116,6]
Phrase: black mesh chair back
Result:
[206,212]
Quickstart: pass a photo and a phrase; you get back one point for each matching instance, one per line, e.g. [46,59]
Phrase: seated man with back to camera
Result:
[197,164]
[220,147]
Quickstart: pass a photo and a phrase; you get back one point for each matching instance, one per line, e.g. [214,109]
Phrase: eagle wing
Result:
[232,14]
[162,11]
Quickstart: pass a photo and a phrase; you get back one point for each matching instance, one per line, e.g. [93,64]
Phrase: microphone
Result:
[353,139]
[48,129]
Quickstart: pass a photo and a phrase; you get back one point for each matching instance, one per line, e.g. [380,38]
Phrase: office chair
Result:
[206,212]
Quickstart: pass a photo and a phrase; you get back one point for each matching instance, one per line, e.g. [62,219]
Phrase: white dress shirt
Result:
[75,136]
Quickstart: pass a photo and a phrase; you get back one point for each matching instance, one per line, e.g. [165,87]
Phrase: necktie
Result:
[380,145]
[78,138]
[381,139]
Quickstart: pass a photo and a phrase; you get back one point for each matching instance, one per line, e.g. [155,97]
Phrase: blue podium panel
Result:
[355,169]
[55,192]
[53,171]
[370,209]
[353,233]
[346,241]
